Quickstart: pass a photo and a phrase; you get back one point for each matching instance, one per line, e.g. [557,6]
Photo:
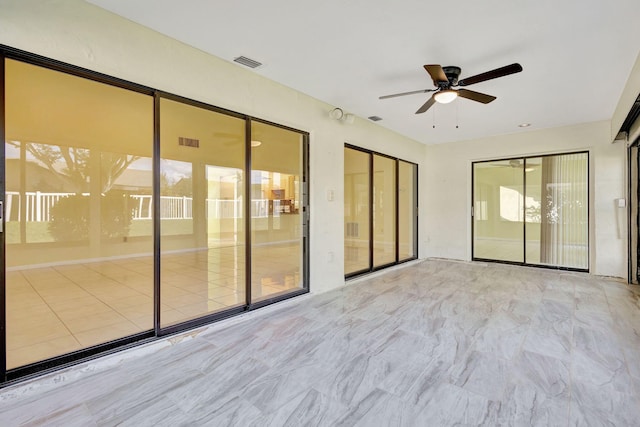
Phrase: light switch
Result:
[622,203]
[330,195]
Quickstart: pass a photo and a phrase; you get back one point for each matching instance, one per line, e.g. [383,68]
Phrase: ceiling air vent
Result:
[188,142]
[247,62]
[375,118]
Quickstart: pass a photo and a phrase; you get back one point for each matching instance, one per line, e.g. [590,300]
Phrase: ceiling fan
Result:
[446,78]
[513,163]
[516,164]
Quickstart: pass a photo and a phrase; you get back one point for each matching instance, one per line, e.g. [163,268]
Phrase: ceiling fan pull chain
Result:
[434,118]
[457,116]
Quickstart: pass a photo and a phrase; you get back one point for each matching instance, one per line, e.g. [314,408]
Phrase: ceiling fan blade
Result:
[437,74]
[489,75]
[426,105]
[475,96]
[407,93]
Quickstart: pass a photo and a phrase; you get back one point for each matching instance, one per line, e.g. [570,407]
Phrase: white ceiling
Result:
[576,54]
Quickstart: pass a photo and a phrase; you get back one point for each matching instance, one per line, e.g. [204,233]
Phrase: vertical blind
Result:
[564,219]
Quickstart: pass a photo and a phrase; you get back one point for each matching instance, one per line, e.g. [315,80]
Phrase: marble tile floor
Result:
[433,343]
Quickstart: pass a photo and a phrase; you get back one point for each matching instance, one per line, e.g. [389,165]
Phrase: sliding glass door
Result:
[380,211]
[357,212]
[201,217]
[277,204]
[532,210]
[131,214]
[384,210]
[407,210]
[79,251]
[498,210]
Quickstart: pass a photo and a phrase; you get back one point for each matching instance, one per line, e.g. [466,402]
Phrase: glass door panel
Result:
[356,210]
[276,211]
[407,215]
[78,227]
[564,225]
[498,210]
[202,235]
[533,208]
[384,210]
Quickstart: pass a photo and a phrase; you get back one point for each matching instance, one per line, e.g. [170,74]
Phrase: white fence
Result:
[38,207]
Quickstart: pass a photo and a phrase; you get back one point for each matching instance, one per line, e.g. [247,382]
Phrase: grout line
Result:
[572,344]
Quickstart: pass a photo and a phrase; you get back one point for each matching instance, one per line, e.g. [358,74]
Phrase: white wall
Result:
[448,189]
[87,36]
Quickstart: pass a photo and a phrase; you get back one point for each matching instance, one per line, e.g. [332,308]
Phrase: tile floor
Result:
[433,343]
[56,310]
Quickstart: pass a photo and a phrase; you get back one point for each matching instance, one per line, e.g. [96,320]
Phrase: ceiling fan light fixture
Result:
[445,96]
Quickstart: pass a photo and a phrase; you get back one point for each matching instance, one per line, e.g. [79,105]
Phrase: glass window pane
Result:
[276,211]
[407,179]
[533,206]
[384,210]
[201,210]
[356,210]
[78,220]
[499,210]
[564,226]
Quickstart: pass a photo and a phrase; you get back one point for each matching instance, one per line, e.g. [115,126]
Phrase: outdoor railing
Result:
[38,207]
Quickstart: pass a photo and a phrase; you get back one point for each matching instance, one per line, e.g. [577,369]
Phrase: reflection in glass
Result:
[384,210]
[407,203]
[498,210]
[532,208]
[78,236]
[202,218]
[564,225]
[356,210]
[276,211]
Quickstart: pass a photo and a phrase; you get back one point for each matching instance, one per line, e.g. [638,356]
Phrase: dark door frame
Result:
[524,228]
[9,376]
[371,268]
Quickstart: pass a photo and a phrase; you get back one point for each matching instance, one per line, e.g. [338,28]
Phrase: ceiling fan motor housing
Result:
[452,73]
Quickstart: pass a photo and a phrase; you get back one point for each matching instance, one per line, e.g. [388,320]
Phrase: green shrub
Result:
[70,217]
